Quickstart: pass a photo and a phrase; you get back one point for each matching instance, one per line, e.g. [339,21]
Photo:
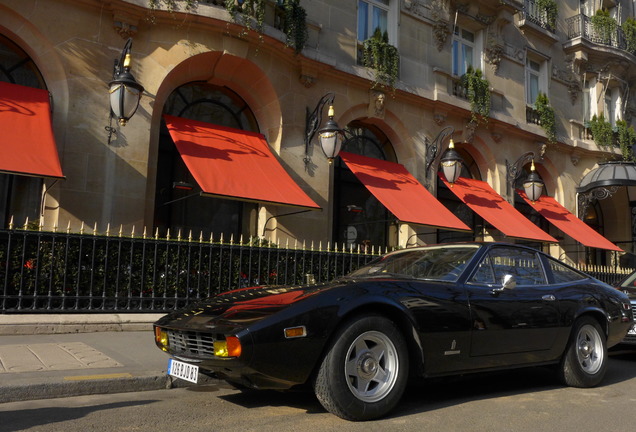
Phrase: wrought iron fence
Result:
[68,272]
[65,272]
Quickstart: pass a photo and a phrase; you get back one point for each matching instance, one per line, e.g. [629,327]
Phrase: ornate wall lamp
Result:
[329,136]
[533,185]
[450,161]
[125,92]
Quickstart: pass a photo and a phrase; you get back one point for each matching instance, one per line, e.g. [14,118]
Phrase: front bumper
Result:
[197,348]
[630,338]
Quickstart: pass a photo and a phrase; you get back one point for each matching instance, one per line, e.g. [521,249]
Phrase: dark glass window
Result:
[20,196]
[359,218]
[457,206]
[178,204]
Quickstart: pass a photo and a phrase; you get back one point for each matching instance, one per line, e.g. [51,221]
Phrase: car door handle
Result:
[548,297]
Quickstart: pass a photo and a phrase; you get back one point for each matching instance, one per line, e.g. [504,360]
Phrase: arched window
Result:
[359,218]
[178,204]
[20,196]
[457,206]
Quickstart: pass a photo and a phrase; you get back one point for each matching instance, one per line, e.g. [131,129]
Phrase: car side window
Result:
[562,273]
[524,265]
[484,273]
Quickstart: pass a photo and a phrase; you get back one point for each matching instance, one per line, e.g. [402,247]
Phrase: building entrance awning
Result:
[401,193]
[488,204]
[607,174]
[27,144]
[234,164]
[561,218]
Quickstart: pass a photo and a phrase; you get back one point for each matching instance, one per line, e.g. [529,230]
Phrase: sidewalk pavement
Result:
[47,356]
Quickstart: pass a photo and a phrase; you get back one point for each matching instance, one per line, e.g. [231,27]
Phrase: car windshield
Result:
[629,282]
[434,263]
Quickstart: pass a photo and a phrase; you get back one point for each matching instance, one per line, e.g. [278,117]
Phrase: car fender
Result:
[358,305]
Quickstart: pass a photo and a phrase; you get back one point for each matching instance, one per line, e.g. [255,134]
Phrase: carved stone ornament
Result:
[308,73]
[416,7]
[574,89]
[377,100]
[441,31]
[470,129]
[440,13]
[125,24]
[494,54]
[439,118]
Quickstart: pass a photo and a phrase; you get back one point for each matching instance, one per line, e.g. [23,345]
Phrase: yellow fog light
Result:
[230,347]
[161,338]
[220,348]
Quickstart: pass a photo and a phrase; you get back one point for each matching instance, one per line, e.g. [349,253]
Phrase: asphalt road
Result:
[521,400]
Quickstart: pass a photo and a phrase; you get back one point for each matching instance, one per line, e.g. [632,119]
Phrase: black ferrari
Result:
[422,312]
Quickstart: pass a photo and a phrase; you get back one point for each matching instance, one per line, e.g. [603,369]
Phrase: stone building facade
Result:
[203,63]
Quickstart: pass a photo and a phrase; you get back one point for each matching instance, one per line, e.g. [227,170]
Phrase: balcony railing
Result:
[532,13]
[580,26]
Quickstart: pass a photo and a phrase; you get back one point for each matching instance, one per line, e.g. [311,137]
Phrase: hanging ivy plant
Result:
[629,30]
[251,14]
[604,26]
[547,118]
[602,132]
[171,5]
[245,10]
[478,94]
[295,27]
[551,10]
[626,137]
[380,55]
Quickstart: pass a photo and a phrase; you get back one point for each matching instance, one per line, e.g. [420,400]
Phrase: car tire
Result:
[365,371]
[585,361]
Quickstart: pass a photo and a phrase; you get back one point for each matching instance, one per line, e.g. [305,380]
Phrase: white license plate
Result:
[183,370]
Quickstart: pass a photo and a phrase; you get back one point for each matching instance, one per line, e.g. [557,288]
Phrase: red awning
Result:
[561,218]
[401,193]
[27,144]
[235,164]
[488,204]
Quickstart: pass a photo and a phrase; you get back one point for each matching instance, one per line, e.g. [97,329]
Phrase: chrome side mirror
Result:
[508,282]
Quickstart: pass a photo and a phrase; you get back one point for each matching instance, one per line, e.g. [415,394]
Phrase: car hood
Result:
[239,308]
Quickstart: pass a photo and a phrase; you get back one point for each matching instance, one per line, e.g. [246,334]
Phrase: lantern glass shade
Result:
[125,94]
[533,186]
[451,163]
[452,170]
[330,142]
